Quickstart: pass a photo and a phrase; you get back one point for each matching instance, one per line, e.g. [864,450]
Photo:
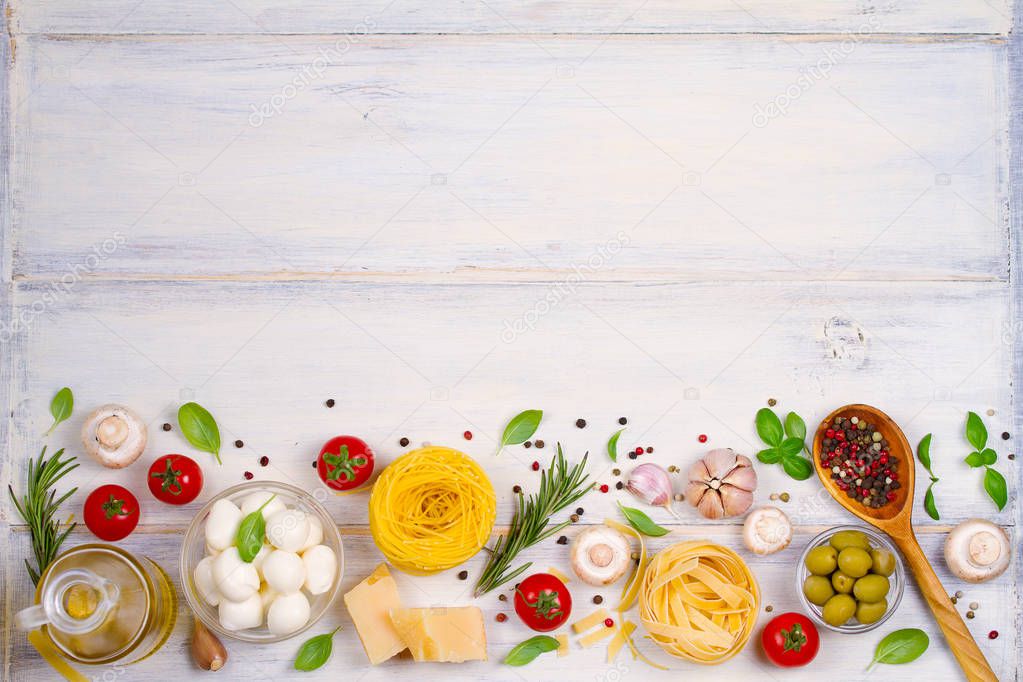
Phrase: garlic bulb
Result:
[721,484]
[651,483]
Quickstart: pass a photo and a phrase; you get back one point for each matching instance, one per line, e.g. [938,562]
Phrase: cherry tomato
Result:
[111,512]
[175,479]
[790,640]
[345,463]
[543,602]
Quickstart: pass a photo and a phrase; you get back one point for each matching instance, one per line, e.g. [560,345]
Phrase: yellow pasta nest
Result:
[431,509]
[699,601]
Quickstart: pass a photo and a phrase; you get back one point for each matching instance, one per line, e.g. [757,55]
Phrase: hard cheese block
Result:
[370,603]
[452,634]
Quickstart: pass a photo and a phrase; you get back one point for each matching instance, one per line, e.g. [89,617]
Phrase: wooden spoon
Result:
[895,519]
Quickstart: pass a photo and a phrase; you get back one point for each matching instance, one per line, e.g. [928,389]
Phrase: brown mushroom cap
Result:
[114,436]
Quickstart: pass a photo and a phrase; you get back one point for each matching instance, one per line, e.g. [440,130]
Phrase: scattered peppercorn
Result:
[462,575]
[784,497]
[502,597]
[604,488]
[959,594]
[619,485]
[264,460]
[974,606]
[538,443]
[990,412]
[579,511]
[581,423]
[575,518]
[314,464]
[623,421]
[955,600]
[768,608]
[993,634]
[330,402]
[248,475]
[672,469]
[771,402]
[616,472]
[239,444]
[563,540]
[501,618]
[1012,456]
[403,442]
[679,497]
[1005,435]
[774,496]
[970,614]
[702,438]
[632,455]
[516,489]
[536,466]
[527,444]
[639,451]
[597,599]
[649,450]
[609,623]
[467,435]
[166,427]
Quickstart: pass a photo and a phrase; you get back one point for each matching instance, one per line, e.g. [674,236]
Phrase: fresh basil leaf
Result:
[795,427]
[60,407]
[612,445]
[769,456]
[769,427]
[315,651]
[901,646]
[797,467]
[521,427]
[527,651]
[923,451]
[974,459]
[200,428]
[929,506]
[250,533]
[641,522]
[994,484]
[790,447]
[976,432]
[988,456]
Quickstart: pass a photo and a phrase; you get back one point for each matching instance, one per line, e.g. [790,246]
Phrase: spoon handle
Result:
[959,639]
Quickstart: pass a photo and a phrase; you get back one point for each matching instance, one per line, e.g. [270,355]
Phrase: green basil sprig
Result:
[521,428]
[526,652]
[612,445]
[200,428]
[641,522]
[60,407]
[787,443]
[900,646]
[983,456]
[250,533]
[923,453]
[315,651]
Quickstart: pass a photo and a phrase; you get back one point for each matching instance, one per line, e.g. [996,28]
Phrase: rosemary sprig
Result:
[560,487]
[39,505]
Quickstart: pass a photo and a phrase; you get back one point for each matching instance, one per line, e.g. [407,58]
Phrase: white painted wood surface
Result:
[374,239]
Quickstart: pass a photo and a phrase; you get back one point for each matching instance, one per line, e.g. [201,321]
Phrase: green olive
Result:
[839,609]
[871,587]
[822,560]
[868,612]
[849,538]
[817,589]
[842,583]
[883,562]
[854,562]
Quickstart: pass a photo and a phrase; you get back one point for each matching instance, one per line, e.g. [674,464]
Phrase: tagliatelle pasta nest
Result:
[431,509]
[699,601]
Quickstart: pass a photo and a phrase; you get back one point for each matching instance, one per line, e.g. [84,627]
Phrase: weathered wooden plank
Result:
[431,361]
[774,573]
[508,16]
[261,157]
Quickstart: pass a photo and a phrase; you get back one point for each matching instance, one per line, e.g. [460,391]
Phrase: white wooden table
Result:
[439,214]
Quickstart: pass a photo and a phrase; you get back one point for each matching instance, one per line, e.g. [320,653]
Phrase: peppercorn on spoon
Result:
[896,520]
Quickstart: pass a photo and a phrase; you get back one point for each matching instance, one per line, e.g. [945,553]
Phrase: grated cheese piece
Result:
[616,644]
[598,616]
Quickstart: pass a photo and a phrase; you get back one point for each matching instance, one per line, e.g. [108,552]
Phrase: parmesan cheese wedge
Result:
[369,604]
[598,616]
[446,634]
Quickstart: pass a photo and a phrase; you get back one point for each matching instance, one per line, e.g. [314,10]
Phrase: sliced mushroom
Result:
[114,436]
[977,550]
[766,530]
[600,555]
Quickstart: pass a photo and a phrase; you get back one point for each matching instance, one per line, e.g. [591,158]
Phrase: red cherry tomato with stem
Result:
[111,512]
[790,640]
[175,479]
[543,602]
[345,463]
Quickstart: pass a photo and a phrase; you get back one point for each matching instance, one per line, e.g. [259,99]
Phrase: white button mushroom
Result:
[600,555]
[254,501]
[320,568]
[977,550]
[241,615]
[222,524]
[287,529]
[203,577]
[766,530]
[284,571]
[315,535]
[288,613]
[235,579]
[114,436]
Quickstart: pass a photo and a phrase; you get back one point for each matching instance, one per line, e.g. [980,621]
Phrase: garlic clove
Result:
[694,492]
[743,476]
[734,500]
[711,506]
[651,483]
[720,462]
[698,472]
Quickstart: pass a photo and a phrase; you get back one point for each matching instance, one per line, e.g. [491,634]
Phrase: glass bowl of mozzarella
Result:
[261,581]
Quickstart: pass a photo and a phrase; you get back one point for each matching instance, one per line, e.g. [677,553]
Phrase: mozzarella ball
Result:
[320,568]
[222,524]
[235,579]
[287,529]
[288,612]
[204,585]
[253,501]
[267,594]
[261,555]
[284,571]
[241,615]
[315,535]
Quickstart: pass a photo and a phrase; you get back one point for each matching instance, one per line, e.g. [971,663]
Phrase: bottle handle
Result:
[32,618]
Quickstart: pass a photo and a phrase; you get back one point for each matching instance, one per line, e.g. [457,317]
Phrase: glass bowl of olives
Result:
[850,579]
